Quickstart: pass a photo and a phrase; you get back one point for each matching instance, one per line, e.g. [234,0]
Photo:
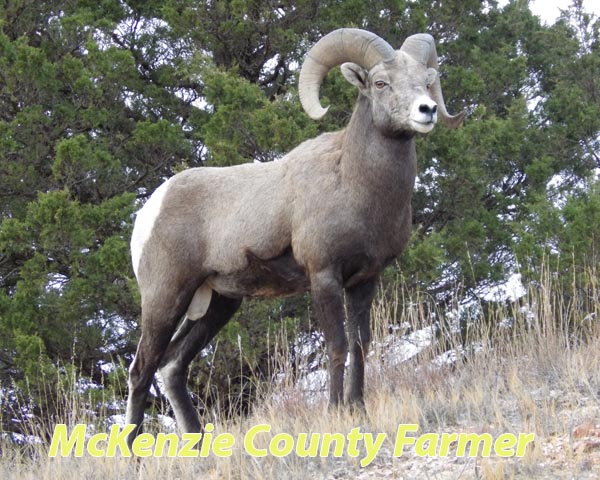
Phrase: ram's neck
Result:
[383,164]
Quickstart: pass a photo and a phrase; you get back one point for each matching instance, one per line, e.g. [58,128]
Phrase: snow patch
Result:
[400,349]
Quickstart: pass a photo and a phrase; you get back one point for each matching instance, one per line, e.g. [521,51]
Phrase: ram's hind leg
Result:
[182,350]
[161,310]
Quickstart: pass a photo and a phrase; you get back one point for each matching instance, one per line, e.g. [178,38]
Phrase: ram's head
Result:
[402,85]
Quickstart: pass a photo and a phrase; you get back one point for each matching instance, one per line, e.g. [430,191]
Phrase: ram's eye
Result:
[380,84]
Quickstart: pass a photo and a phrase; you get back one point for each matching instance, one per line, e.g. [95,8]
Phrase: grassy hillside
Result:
[531,367]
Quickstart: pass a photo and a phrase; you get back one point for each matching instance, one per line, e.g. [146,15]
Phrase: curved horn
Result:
[421,47]
[342,45]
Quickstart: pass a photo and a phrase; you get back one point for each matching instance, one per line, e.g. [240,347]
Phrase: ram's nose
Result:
[428,109]
[424,114]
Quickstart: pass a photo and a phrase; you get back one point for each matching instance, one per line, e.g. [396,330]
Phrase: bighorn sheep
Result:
[327,217]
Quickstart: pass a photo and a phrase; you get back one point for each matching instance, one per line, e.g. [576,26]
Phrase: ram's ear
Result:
[355,74]
[432,76]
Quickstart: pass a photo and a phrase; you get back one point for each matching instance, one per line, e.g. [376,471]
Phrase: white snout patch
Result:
[423,114]
[144,223]
[199,304]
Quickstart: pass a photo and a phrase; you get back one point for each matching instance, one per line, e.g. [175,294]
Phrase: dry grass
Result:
[538,377]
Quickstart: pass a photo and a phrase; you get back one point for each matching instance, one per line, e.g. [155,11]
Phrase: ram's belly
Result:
[263,278]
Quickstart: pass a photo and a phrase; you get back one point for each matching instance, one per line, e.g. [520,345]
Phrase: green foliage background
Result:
[102,101]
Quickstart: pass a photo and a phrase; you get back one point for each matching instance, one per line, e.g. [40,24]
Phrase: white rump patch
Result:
[199,304]
[144,223]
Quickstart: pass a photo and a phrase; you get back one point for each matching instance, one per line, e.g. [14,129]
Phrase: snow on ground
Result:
[313,381]
[400,349]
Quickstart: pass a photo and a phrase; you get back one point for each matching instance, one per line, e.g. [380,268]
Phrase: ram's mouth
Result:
[423,127]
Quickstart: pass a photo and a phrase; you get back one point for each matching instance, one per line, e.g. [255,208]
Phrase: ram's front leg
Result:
[328,304]
[358,302]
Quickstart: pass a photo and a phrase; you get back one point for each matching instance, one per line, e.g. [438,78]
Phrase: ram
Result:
[326,218]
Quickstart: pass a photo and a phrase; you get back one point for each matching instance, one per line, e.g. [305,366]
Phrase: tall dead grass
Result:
[531,367]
